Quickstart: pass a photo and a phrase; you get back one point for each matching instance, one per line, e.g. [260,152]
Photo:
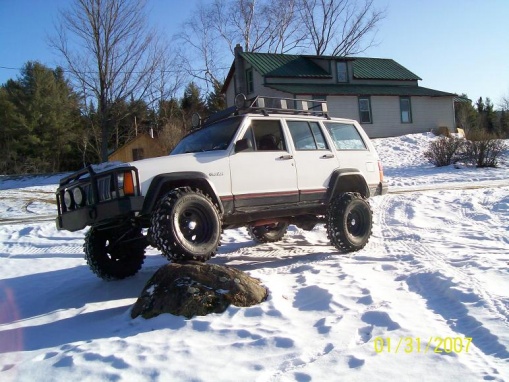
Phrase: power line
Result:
[136,72]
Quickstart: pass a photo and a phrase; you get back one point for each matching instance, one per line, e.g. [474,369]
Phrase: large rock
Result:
[196,289]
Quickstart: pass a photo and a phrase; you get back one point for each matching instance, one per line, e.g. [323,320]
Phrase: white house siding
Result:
[433,112]
[427,113]
[343,107]
[230,94]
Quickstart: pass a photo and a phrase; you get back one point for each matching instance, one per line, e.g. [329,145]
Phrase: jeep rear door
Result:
[314,159]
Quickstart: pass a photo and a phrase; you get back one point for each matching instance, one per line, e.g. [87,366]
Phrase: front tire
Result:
[186,225]
[269,233]
[114,253]
[349,222]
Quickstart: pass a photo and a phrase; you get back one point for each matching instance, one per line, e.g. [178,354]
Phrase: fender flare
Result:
[163,183]
[347,180]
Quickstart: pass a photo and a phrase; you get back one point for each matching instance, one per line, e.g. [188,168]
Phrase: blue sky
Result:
[459,46]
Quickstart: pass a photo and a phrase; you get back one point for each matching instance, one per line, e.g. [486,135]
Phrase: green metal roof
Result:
[303,66]
[285,65]
[358,90]
[381,69]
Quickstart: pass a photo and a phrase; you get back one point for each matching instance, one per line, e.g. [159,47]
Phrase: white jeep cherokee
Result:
[251,165]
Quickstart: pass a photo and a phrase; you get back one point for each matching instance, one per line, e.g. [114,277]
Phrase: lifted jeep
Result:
[259,164]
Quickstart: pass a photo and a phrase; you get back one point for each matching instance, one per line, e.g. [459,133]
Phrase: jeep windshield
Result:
[216,136]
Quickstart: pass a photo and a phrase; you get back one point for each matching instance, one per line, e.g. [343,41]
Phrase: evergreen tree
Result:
[465,114]
[192,103]
[480,105]
[42,120]
[504,123]
[490,117]
[215,100]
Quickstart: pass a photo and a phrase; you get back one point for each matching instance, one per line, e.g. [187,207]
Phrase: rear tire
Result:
[349,222]
[269,233]
[186,225]
[115,253]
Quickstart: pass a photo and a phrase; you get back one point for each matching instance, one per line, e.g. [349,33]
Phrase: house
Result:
[141,147]
[382,95]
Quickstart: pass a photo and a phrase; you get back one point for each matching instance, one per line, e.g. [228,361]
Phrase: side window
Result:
[249,80]
[406,109]
[345,136]
[341,70]
[365,110]
[138,154]
[267,135]
[307,135]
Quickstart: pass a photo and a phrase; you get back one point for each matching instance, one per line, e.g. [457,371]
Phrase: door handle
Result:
[327,156]
[286,157]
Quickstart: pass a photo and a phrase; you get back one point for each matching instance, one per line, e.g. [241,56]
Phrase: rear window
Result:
[345,136]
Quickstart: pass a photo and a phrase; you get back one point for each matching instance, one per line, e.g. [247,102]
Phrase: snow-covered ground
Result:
[427,299]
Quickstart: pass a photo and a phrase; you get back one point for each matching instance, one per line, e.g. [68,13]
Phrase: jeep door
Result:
[314,159]
[264,173]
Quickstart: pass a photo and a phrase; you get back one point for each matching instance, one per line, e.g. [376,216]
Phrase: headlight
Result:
[104,188]
[79,196]
[68,199]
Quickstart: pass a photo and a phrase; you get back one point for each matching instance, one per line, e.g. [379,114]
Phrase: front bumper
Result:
[107,211]
[89,198]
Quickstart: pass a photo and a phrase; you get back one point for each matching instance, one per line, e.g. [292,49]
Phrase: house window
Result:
[138,154]
[342,71]
[365,110]
[249,80]
[406,109]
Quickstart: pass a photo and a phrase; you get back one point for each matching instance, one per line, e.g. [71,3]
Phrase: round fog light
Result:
[68,199]
[78,195]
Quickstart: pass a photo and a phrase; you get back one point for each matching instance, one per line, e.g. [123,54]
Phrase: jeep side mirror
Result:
[243,145]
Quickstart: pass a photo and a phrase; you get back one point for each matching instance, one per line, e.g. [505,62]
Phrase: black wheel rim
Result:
[195,224]
[355,223]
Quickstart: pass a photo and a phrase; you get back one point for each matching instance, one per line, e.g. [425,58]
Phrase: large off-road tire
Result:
[115,253]
[349,221]
[269,233]
[186,225]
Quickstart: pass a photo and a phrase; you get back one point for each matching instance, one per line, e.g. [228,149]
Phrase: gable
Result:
[143,143]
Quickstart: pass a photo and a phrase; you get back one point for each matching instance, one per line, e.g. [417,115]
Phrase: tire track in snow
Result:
[435,279]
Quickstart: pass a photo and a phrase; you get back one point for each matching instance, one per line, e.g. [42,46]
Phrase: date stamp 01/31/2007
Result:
[422,345]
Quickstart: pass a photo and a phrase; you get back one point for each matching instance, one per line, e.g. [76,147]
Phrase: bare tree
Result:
[286,32]
[271,26]
[203,51]
[258,25]
[110,51]
[340,27]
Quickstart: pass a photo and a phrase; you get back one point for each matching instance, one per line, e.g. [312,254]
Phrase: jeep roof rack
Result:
[267,105]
